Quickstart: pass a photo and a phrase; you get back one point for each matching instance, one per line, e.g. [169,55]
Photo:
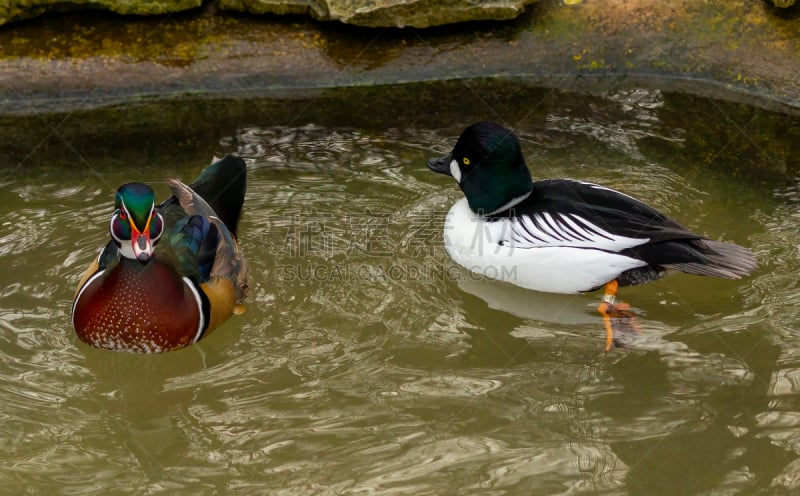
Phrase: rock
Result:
[386,13]
[372,13]
[13,10]
[423,13]
[317,9]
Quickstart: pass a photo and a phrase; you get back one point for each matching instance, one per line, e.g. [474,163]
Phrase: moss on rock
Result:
[14,10]
[373,13]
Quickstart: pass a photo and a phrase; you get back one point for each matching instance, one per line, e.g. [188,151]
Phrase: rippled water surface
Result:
[368,363]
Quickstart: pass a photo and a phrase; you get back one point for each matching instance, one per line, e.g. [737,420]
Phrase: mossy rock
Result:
[386,13]
[373,13]
[14,10]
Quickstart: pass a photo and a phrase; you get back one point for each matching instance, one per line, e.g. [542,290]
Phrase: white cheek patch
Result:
[455,171]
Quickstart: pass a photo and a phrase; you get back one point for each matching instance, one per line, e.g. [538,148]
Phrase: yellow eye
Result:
[466,161]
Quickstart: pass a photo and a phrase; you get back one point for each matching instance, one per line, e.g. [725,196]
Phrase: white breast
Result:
[494,251]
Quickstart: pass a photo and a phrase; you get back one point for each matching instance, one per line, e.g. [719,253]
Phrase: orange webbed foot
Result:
[617,317]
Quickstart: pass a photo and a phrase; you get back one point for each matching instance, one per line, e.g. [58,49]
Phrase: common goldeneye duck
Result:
[564,236]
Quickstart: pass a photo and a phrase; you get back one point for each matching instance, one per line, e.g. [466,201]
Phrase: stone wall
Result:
[734,49]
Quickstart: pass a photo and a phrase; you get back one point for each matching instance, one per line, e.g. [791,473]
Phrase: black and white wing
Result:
[583,215]
[568,213]
[552,228]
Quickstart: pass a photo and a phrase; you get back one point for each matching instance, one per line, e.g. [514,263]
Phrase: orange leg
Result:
[608,302]
[619,311]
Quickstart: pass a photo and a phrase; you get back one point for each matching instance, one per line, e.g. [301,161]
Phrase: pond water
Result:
[367,362]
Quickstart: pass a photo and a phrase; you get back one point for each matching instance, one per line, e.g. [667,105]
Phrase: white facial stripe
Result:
[125,248]
[455,171]
[125,209]
[111,228]
[118,215]
[158,236]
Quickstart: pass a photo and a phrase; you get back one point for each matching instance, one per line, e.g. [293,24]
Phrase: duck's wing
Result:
[193,244]
[562,212]
[216,253]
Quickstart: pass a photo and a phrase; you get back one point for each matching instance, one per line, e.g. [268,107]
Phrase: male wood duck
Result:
[140,297]
[565,236]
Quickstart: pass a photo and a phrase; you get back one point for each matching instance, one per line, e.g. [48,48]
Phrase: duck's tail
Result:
[725,260]
[222,185]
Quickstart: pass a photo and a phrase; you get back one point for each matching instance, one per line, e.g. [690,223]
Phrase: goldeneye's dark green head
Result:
[136,226]
[488,165]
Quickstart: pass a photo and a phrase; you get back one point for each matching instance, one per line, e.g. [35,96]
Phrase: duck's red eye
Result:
[123,215]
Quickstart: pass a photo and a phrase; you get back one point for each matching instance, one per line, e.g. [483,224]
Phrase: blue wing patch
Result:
[195,243]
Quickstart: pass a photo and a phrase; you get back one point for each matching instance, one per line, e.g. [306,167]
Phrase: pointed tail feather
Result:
[725,260]
[222,185]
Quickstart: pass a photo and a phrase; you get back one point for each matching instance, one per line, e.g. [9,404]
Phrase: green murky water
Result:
[367,362]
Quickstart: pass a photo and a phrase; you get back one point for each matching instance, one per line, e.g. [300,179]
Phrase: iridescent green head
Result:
[488,165]
[136,225]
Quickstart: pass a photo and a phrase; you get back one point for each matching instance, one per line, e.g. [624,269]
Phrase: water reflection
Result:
[367,363]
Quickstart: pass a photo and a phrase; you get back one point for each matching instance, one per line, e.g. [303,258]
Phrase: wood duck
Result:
[137,298]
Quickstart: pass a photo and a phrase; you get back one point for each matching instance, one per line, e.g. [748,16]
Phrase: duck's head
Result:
[136,226]
[488,166]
